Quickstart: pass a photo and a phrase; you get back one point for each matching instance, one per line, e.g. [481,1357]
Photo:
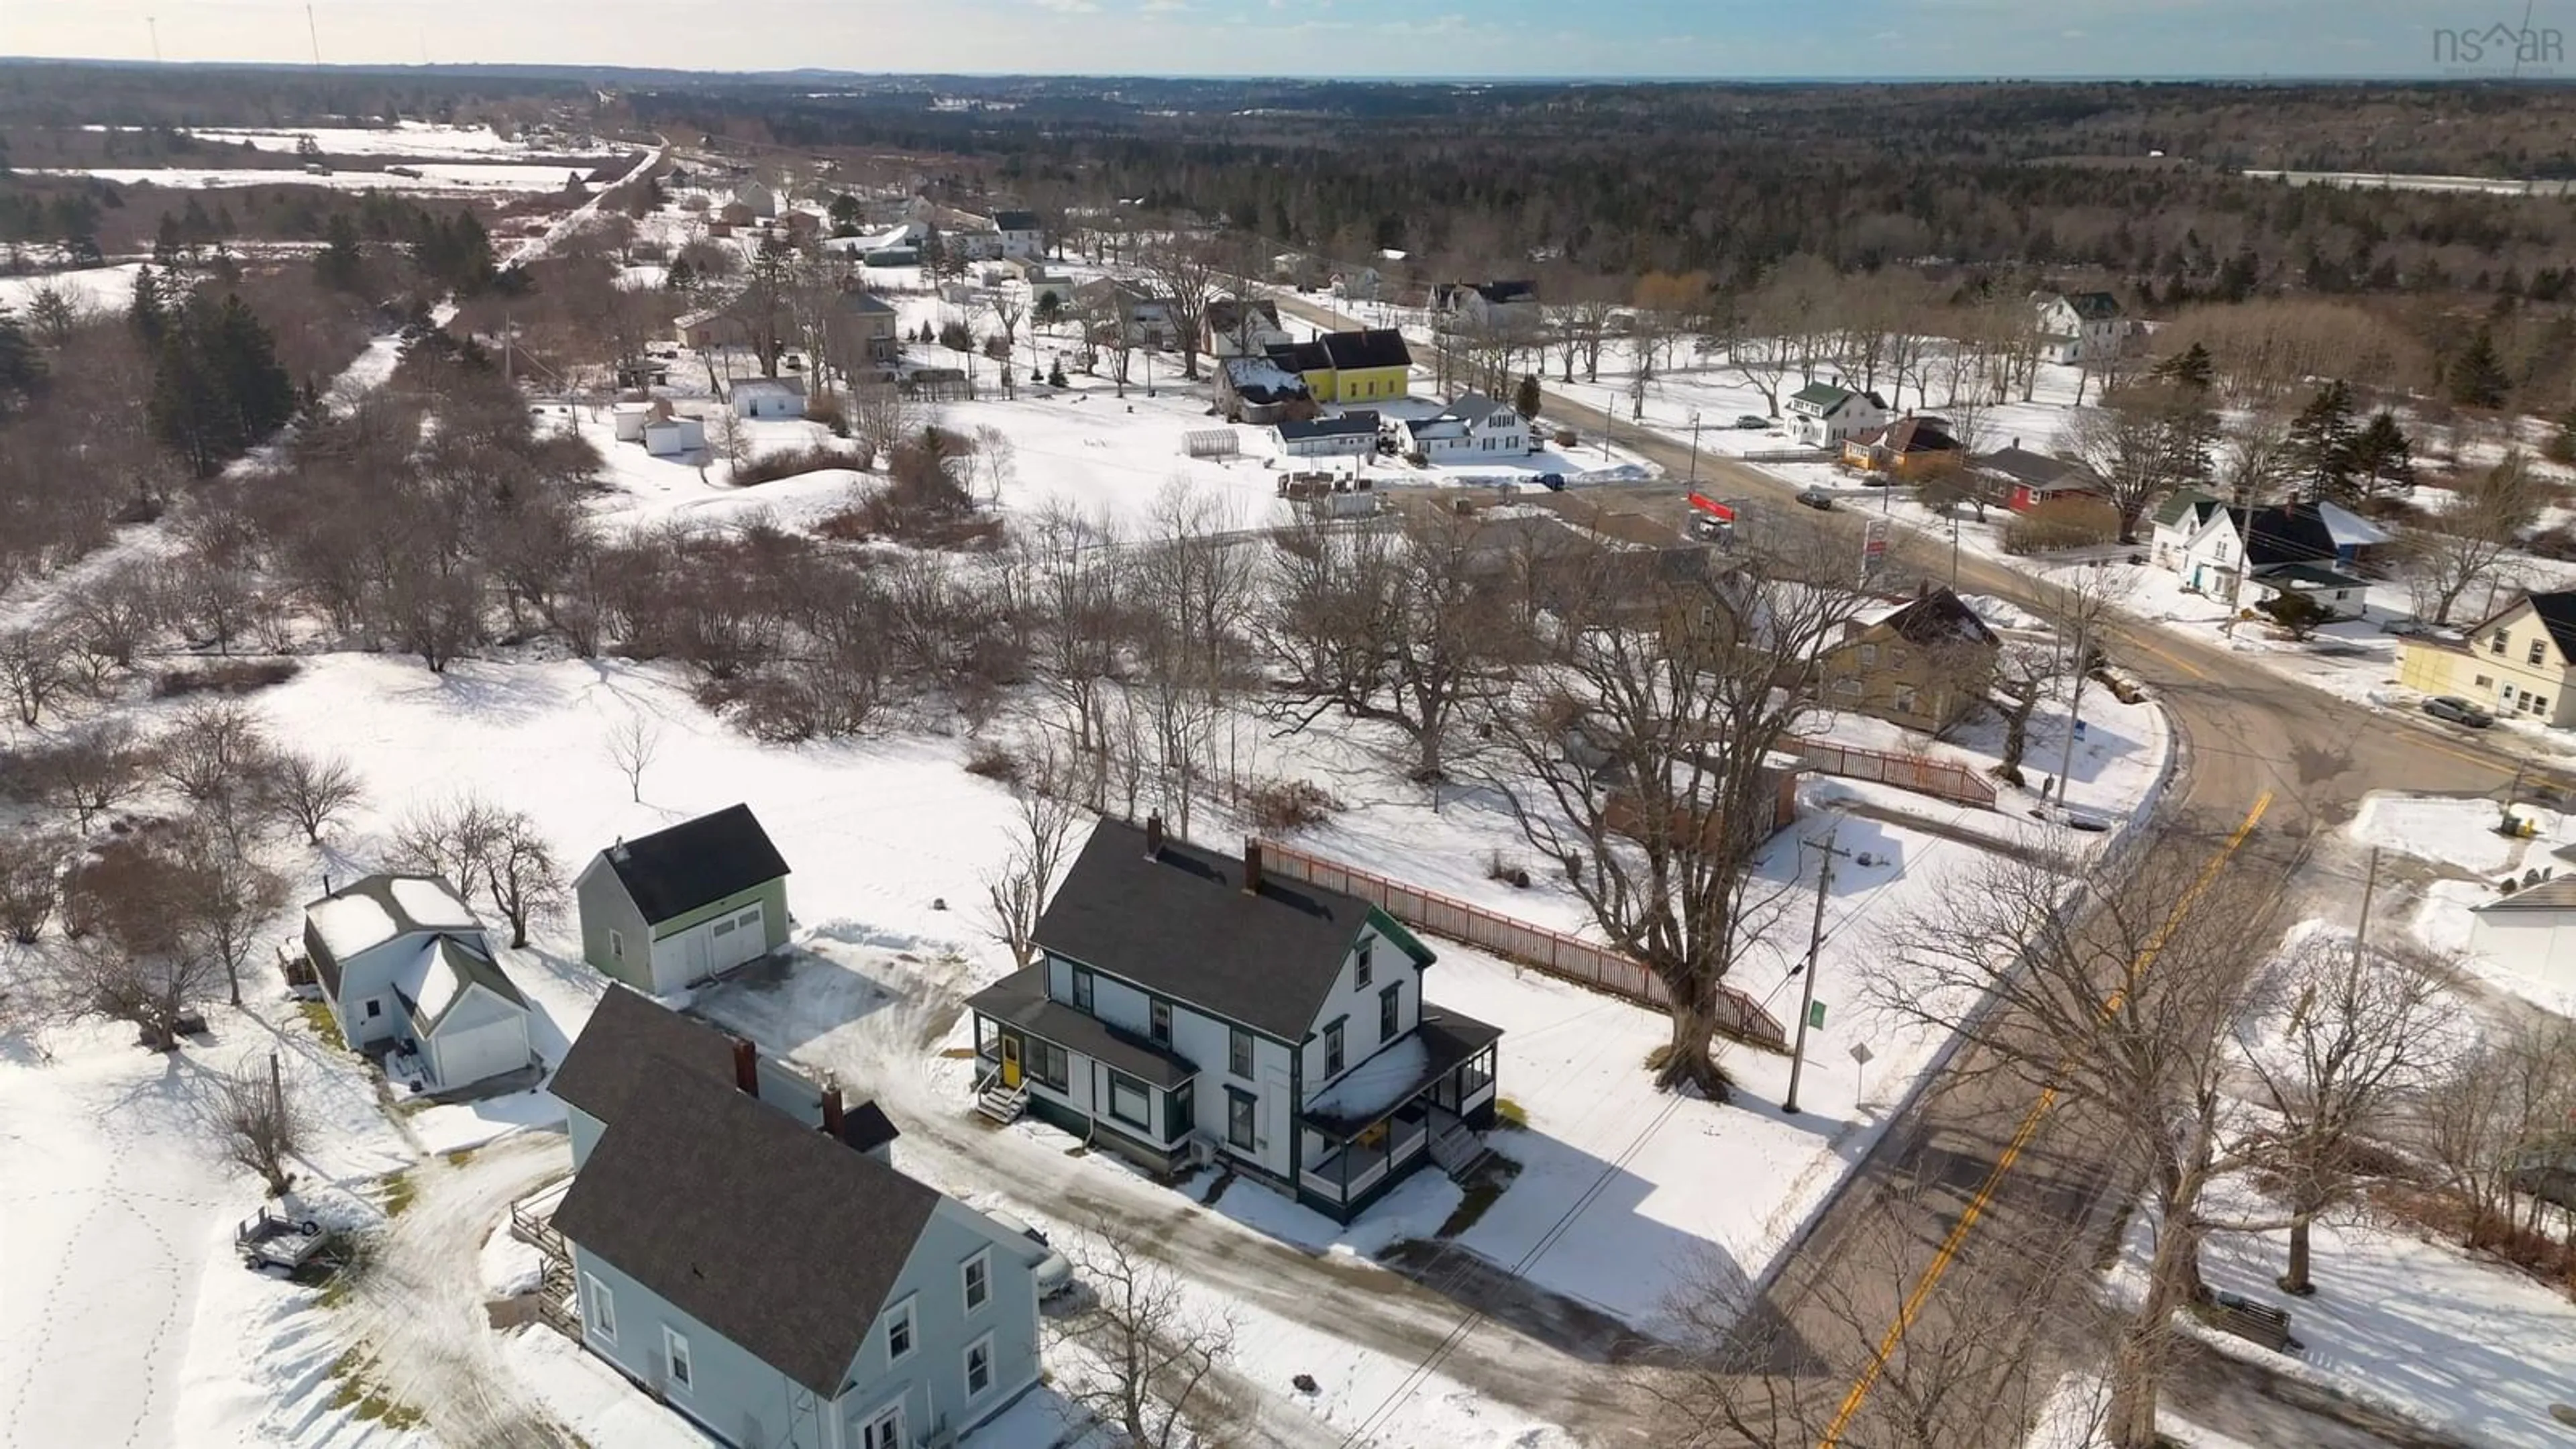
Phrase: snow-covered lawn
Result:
[442,177]
[403,138]
[97,288]
[2418,1327]
[2452,831]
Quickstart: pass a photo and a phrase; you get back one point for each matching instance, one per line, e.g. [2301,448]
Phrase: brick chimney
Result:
[746,1067]
[832,1112]
[1154,835]
[1252,867]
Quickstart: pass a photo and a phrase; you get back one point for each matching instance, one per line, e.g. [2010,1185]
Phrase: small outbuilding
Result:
[769,397]
[674,437]
[666,910]
[411,978]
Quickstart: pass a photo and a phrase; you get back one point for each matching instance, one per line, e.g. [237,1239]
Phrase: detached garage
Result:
[469,1020]
[667,910]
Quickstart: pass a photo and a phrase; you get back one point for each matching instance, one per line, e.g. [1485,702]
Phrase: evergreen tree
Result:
[150,312]
[343,262]
[2191,367]
[1055,374]
[22,369]
[241,353]
[2321,438]
[166,245]
[2382,456]
[682,277]
[1527,398]
[217,387]
[2477,376]
[2561,447]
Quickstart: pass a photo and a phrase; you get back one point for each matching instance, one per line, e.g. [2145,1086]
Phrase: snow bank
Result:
[2455,832]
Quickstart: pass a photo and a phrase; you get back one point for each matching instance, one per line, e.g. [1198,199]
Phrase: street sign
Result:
[1815,1016]
[1711,507]
[1873,546]
[1860,1052]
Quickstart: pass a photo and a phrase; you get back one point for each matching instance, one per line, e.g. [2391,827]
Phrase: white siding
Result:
[1360,1040]
[2535,945]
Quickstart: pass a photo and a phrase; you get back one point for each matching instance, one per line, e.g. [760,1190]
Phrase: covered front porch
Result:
[1425,1098]
[1080,1073]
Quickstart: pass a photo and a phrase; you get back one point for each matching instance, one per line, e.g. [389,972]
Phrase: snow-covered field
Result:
[403,138]
[439,177]
[98,288]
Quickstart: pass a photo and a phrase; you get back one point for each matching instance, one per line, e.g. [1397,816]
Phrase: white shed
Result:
[629,419]
[2531,933]
[671,437]
[769,398]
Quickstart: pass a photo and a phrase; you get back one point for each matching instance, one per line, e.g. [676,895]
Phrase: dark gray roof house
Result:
[684,903]
[1015,221]
[1358,423]
[762,1275]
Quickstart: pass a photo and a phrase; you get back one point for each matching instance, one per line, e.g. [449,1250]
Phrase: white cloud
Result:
[1070,7]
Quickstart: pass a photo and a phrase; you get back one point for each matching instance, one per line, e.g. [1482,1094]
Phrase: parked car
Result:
[1817,499]
[2458,711]
[1552,482]
[1752,422]
[1054,1275]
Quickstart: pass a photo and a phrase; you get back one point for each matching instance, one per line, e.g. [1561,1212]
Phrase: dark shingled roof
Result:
[775,1236]
[1369,347]
[2558,615]
[1021,1000]
[1180,923]
[1347,425]
[866,1126]
[673,872]
[627,1032]
[1939,617]
[1307,356]
[2093,306]
[1015,221]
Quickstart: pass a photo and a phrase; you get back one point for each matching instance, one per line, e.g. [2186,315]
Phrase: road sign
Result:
[1873,546]
[1711,507]
[1815,1016]
[1860,1052]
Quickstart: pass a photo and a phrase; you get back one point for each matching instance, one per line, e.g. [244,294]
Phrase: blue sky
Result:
[1849,39]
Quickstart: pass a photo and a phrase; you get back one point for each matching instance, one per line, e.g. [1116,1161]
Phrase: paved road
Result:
[2247,734]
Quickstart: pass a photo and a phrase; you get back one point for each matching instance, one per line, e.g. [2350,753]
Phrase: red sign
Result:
[1712,507]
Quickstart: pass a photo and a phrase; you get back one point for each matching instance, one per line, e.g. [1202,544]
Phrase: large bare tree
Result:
[2143,442]
[2116,996]
[2470,542]
[1639,744]
[1150,1364]
[1043,816]
[1185,270]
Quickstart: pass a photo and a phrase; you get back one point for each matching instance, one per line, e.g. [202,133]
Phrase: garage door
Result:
[471,1053]
[736,938]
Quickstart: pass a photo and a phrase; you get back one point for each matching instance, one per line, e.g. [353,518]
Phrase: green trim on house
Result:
[1405,941]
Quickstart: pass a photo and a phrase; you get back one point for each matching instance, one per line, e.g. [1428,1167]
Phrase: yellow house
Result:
[1367,366]
[2520,662]
[1922,664]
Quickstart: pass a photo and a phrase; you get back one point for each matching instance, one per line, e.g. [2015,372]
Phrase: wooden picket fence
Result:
[1939,778]
[1740,1017]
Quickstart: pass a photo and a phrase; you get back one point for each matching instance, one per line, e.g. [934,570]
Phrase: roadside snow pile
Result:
[510,1267]
[2450,832]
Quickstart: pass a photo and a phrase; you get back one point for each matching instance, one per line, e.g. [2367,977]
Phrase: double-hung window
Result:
[675,1351]
[1128,1100]
[899,1332]
[978,1275]
[1238,1119]
[1389,1010]
[1238,1053]
[603,1310]
[1082,988]
[1158,1022]
[979,1367]
[1334,1056]
[1361,968]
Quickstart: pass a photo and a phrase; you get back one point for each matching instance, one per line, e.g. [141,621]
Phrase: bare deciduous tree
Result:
[2143,443]
[2116,995]
[314,790]
[1043,816]
[1641,740]
[34,669]
[1149,1362]
[2362,1033]
[521,875]
[2469,542]
[220,760]
[259,1124]
[2509,1093]
[632,743]
[1186,272]
[480,848]
[235,898]
[31,863]
[90,771]
[135,957]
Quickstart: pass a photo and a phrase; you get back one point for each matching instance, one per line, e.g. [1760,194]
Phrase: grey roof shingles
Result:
[773,1235]
[1020,999]
[1180,923]
[1362,423]
[2556,894]
[672,872]
[627,1033]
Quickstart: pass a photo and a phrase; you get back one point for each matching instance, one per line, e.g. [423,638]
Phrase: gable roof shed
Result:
[672,872]
[779,1238]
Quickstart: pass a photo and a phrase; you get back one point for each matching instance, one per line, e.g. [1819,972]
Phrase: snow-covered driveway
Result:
[418,1311]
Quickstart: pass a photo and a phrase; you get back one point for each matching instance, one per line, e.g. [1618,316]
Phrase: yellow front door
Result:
[1011,1063]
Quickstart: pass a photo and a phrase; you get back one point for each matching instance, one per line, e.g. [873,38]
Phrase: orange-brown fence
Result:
[1739,1016]
[1906,772]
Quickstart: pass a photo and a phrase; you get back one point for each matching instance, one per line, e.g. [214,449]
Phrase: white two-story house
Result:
[2079,328]
[1189,1009]
[1475,426]
[1822,414]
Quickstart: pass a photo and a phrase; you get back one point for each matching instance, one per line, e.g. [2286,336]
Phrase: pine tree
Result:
[2561,447]
[149,314]
[2190,367]
[682,277]
[1055,374]
[2477,376]
[2321,438]
[2382,456]
[22,369]
[1527,398]
[241,353]
[342,264]
[217,387]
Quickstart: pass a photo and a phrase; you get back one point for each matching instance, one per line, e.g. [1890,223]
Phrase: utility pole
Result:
[152,27]
[1807,972]
[2075,700]
[1694,453]
[1954,548]
[1606,418]
[2361,928]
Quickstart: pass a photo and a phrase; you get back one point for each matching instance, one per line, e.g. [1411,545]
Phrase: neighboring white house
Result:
[2178,520]
[1822,414]
[1486,306]
[2303,548]
[2531,933]
[405,968]
[763,201]
[2079,327]
[1351,435]
[1474,426]
[1360,284]
[1020,232]
[1236,328]
[769,397]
